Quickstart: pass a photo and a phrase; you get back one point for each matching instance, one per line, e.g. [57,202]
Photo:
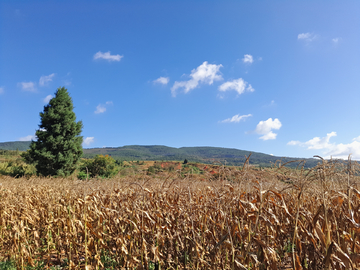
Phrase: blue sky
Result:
[278,77]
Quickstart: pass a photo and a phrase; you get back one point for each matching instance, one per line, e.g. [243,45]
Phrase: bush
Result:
[82,175]
[103,166]
[17,169]
[21,170]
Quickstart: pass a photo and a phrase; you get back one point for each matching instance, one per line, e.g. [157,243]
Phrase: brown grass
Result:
[305,220]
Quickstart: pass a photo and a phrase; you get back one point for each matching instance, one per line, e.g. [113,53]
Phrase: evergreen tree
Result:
[58,147]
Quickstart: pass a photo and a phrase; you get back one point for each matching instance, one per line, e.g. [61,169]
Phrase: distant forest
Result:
[208,155]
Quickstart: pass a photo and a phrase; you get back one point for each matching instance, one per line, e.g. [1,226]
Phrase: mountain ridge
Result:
[203,154]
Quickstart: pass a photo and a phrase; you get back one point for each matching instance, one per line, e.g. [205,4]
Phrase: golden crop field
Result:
[246,219]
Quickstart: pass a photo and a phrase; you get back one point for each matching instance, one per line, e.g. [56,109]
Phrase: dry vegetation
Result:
[247,219]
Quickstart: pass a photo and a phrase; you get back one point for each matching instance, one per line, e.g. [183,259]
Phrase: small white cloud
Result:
[336,41]
[294,143]
[239,85]
[265,128]
[236,118]
[108,56]
[47,98]
[332,149]
[250,88]
[268,136]
[45,79]
[2,90]
[162,80]
[205,73]
[88,140]
[248,58]
[28,138]
[316,142]
[308,37]
[27,86]
[101,108]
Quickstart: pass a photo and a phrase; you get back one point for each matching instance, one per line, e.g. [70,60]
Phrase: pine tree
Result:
[58,147]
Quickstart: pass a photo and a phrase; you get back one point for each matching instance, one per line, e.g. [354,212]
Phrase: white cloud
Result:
[307,37]
[336,41]
[88,140]
[268,136]
[332,149]
[47,98]
[107,56]
[162,80]
[238,85]
[2,91]
[45,79]
[265,128]
[205,73]
[248,58]
[101,108]
[316,142]
[236,118]
[27,86]
[28,138]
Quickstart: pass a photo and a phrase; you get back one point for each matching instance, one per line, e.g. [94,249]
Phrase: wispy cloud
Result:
[316,142]
[236,118]
[101,108]
[2,90]
[28,138]
[47,98]
[336,41]
[108,56]
[239,85]
[205,73]
[45,79]
[308,37]
[162,80]
[265,128]
[88,140]
[248,59]
[27,86]
[340,150]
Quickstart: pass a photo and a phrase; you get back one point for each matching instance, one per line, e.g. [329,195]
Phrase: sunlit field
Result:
[239,218]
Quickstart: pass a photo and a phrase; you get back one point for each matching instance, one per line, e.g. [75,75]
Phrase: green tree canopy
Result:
[58,146]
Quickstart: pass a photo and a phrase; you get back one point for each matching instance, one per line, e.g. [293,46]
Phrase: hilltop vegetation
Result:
[17,145]
[208,155]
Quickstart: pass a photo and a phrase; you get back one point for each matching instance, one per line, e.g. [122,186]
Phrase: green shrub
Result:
[82,175]
[17,169]
[103,166]
[23,169]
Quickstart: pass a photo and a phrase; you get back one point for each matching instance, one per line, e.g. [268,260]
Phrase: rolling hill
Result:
[228,156]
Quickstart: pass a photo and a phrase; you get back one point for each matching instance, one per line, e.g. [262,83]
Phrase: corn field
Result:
[247,219]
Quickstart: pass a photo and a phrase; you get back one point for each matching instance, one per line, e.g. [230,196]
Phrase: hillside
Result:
[159,152]
[17,145]
[193,154]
